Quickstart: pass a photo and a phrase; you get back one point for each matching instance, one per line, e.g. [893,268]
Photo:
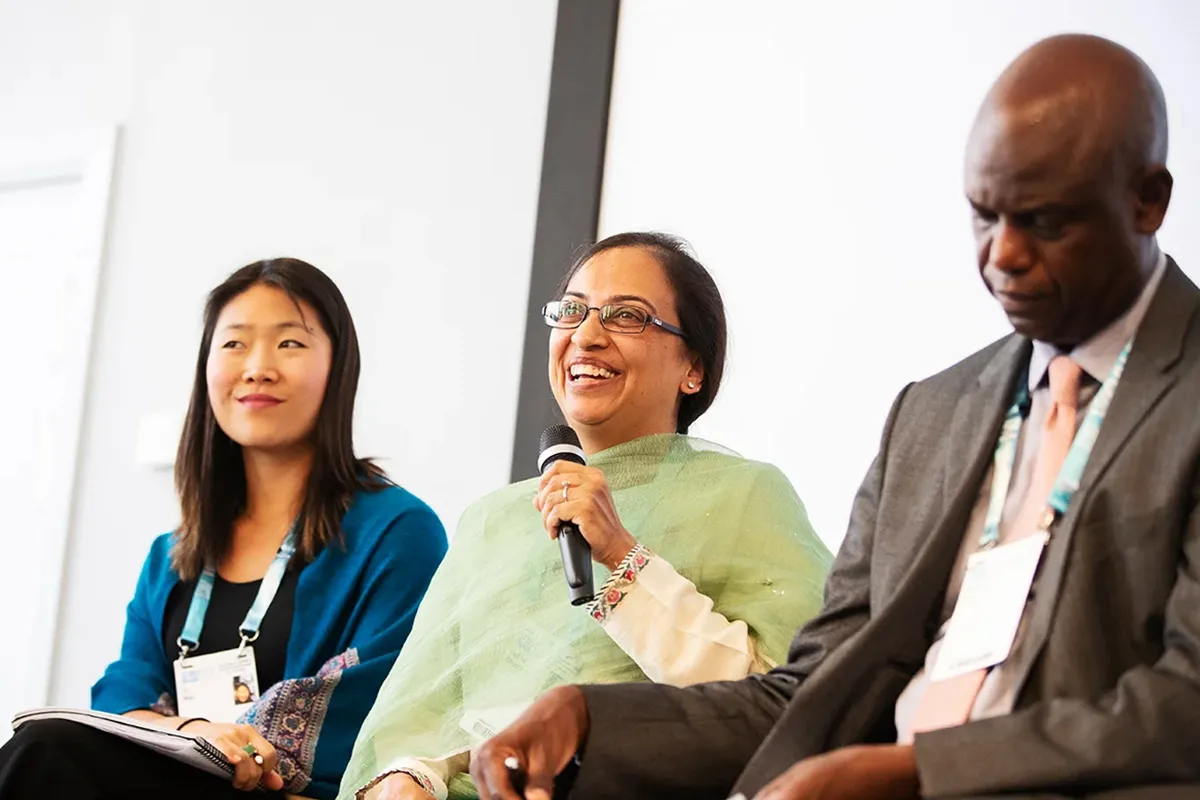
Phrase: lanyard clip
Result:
[184,648]
[246,639]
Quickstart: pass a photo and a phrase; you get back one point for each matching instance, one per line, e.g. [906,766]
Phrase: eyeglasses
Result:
[618,319]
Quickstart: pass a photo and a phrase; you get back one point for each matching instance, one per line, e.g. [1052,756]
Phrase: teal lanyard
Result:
[1067,482]
[189,639]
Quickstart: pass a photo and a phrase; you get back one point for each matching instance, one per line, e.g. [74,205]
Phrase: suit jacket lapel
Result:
[1149,373]
[977,419]
[972,435]
[1157,347]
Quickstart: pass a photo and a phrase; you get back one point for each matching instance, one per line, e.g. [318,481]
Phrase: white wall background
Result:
[396,145]
[812,155]
[54,194]
[810,152]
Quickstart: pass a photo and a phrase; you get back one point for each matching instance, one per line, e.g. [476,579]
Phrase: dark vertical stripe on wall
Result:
[585,38]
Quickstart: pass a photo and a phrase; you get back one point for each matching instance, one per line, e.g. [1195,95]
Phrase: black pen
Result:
[516,776]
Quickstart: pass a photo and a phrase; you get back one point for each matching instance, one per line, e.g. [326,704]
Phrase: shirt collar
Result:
[1098,354]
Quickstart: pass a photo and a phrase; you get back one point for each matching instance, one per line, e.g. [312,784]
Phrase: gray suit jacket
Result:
[1109,696]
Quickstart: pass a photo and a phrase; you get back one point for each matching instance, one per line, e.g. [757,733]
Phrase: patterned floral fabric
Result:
[620,583]
[165,705]
[289,715]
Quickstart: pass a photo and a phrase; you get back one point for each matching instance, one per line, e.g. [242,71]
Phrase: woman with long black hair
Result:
[268,619]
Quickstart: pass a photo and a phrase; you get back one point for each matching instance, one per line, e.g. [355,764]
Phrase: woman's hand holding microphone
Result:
[571,492]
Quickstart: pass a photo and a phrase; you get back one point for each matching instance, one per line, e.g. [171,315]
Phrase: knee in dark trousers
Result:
[43,754]
[56,758]
[55,733]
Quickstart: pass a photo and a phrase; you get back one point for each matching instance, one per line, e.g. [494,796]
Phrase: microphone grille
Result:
[556,435]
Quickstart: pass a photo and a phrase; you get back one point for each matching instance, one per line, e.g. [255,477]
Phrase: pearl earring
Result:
[691,385]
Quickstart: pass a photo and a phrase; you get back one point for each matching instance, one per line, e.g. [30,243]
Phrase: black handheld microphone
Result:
[559,442]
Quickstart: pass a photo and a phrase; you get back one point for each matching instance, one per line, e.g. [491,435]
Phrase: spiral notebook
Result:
[180,746]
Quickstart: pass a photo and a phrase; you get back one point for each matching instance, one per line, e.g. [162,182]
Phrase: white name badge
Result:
[219,687]
[989,607]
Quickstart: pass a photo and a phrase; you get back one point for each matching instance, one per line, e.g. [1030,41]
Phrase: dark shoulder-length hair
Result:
[210,476]
[697,301]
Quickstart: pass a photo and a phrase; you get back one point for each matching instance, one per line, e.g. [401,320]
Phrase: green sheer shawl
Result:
[496,630]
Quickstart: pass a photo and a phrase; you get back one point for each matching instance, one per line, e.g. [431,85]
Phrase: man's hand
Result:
[542,741]
[862,772]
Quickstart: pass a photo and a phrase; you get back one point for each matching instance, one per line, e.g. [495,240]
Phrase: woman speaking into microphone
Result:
[709,561]
[267,620]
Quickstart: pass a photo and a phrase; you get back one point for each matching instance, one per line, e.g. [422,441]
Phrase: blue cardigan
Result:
[355,605]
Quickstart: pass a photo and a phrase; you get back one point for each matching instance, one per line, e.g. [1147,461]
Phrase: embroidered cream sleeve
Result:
[669,628]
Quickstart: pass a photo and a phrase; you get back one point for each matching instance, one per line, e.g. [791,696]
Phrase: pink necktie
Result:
[948,703]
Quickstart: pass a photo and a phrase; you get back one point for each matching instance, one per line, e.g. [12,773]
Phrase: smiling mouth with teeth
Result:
[590,371]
